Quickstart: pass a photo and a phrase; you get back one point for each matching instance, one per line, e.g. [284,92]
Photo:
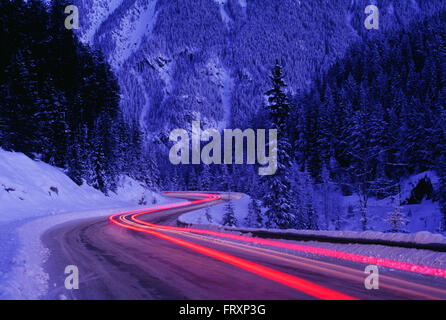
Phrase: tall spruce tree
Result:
[229,214]
[254,217]
[278,198]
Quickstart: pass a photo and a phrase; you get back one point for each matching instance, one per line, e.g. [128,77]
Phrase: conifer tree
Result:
[205,179]
[396,218]
[254,217]
[277,188]
[229,214]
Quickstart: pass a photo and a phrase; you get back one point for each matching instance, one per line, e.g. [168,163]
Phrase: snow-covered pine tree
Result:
[229,215]
[326,190]
[279,107]
[193,183]
[52,129]
[173,179]
[98,165]
[442,188]
[278,192]
[207,214]
[205,182]
[226,180]
[395,218]
[364,147]
[254,217]
[306,194]
[19,103]
[152,173]
[441,164]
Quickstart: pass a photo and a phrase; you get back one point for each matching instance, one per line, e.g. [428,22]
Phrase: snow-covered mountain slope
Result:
[93,14]
[209,60]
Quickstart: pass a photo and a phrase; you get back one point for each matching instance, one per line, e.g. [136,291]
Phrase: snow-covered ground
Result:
[409,255]
[35,196]
[423,218]
[30,189]
[422,211]
[136,24]
[97,12]
[198,217]
[342,213]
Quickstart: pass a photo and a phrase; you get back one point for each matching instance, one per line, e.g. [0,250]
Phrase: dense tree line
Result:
[377,115]
[59,100]
[345,128]
[179,66]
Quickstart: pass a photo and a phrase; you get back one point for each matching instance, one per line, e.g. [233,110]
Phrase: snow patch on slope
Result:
[243,5]
[221,77]
[226,95]
[97,12]
[31,189]
[134,26]
[27,185]
[146,105]
[224,15]
[217,212]
[163,65]
[415,5]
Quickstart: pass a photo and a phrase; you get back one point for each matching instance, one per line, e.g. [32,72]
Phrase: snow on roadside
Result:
[31,188]
[216,213]
[27,279]
[424,257]
[422,237]
[416,256]
[34,197]
[410,255]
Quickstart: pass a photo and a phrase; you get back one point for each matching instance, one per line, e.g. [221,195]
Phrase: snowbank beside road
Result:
[34,197]
[418,238]
[217,212]
[26,278]
[415,256]
[31,189]
[197,219]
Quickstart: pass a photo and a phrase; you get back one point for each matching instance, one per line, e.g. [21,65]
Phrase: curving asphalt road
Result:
[144,255]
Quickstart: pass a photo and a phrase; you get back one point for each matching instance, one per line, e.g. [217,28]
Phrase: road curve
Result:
[142,254]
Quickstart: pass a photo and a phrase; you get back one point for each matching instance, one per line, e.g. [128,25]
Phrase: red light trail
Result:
[283,278]
[286,279]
